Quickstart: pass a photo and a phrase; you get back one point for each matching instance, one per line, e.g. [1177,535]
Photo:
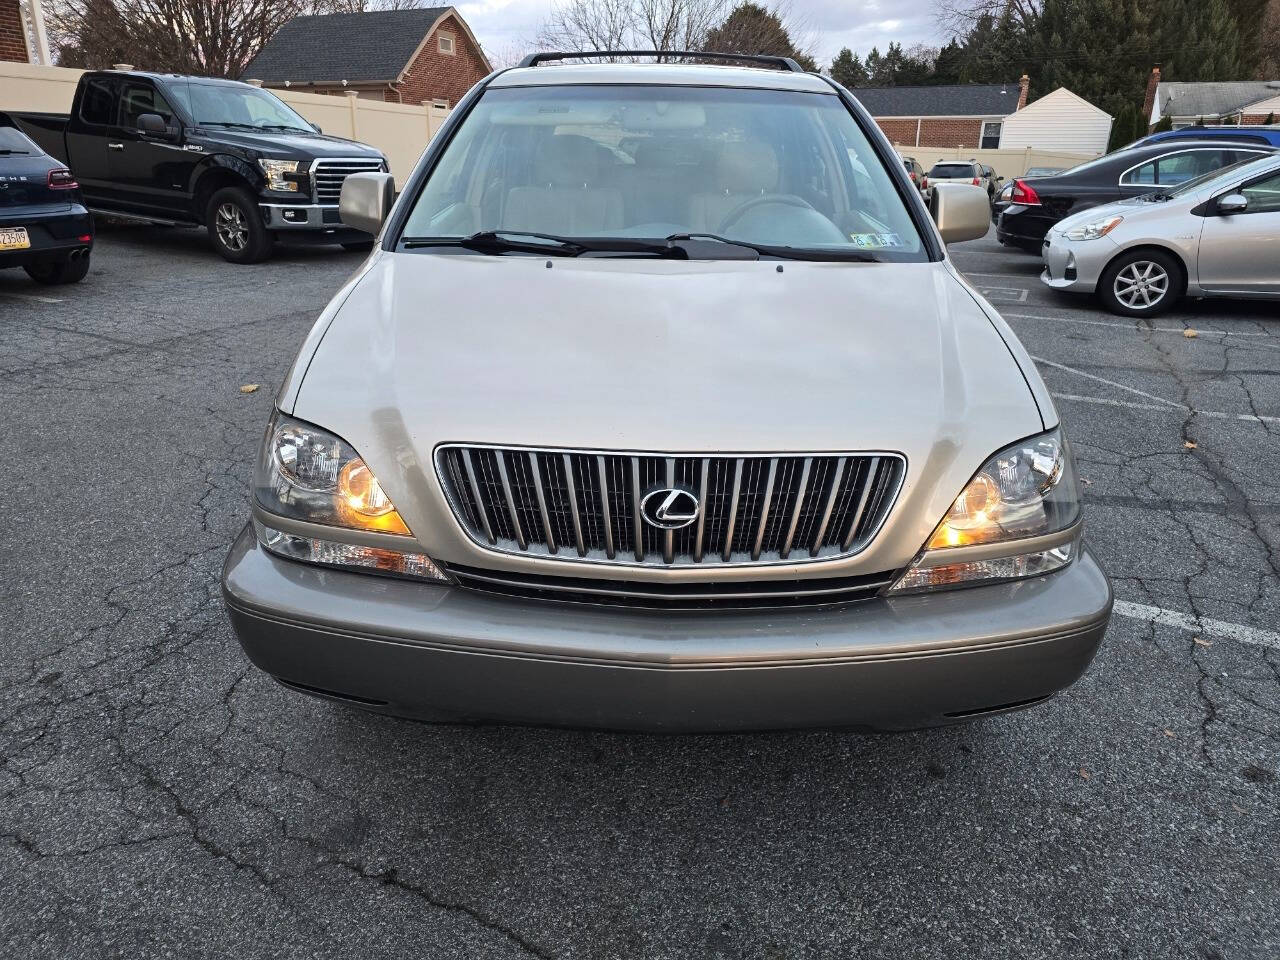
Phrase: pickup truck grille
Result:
[590,506]
[329,174]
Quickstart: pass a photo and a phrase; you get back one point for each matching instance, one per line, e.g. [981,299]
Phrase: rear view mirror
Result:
[961,211]
[1233,203]
[153,125]
[366,200]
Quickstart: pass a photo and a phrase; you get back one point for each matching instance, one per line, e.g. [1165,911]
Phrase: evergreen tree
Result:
[847,69]
[876,74]
[751,28]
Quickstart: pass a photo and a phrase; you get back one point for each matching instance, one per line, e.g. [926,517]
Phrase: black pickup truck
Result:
[197,150]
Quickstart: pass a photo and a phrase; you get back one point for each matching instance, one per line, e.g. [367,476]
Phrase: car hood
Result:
[1133,209]
[665,356]
[278,143]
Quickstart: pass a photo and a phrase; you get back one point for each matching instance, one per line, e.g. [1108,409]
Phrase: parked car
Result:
[1269,134]
[916,172]
[1210,237]
[966,171]
[600,499]
[1037,203]
[196,150]
[44,227]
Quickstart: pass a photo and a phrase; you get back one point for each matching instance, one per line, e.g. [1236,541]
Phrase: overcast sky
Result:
[505,27]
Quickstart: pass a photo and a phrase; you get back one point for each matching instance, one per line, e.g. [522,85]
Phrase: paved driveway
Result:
[160,798]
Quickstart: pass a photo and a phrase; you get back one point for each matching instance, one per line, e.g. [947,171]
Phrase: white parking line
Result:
[1205,626]
[1181,331]
[1214,414]
[31,297]
[1110,383]
[1004,294]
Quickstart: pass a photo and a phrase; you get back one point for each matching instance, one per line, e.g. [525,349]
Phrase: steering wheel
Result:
[765,199]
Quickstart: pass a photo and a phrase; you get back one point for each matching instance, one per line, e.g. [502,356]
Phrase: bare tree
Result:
[1269,43]
[209,37]
[961,15]
[631,24]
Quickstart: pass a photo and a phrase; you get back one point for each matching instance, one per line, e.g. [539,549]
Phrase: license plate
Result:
[14,238]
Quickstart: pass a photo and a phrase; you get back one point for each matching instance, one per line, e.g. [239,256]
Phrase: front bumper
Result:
[302,222]
[1074,265]
[446,653]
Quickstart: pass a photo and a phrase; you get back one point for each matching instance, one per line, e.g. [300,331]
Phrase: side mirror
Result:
[1233,203]
[999,179]
[366,200]
[153,125]
[961,211]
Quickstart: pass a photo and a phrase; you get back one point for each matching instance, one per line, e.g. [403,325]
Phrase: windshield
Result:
[220,104]
[765,167]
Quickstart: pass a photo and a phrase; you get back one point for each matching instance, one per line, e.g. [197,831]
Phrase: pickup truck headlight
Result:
[308,474]
[1026,490]
[1093,229]
[276,170]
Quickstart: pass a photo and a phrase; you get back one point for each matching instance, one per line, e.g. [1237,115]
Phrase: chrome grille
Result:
[329,174]
[580,505]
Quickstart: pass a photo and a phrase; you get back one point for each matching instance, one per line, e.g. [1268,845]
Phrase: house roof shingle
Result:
[371,47]
[960,100]
[1212,99]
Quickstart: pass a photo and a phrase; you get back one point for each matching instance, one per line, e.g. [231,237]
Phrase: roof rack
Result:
[781,63]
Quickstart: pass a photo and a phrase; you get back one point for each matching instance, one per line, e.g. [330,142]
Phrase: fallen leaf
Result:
[1189,444]
[1084,773]
[1169,733]
[1189,334]
[1203,641]
[249,388]
[1086,482]
[1237,808]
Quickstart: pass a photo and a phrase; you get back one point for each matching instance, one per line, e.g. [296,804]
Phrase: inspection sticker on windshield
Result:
[875,239]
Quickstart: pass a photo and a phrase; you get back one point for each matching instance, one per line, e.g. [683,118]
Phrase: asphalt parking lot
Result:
[158,797]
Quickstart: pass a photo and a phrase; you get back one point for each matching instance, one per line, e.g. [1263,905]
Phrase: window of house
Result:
[991,135]
[444,43]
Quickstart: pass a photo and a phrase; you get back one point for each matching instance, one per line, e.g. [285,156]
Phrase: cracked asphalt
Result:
[160,798]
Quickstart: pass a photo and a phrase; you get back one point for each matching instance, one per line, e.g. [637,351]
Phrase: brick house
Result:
[1235,101]
[400,56]
[22,34]
[964,115]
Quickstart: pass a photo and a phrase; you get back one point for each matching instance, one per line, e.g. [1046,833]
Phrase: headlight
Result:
[308,474]
[275,171]
[1093,229]
[1026,490]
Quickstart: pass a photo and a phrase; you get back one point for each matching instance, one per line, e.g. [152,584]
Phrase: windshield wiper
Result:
[228,123]
[6,152]
[503,241]
[520,241]
[781,252]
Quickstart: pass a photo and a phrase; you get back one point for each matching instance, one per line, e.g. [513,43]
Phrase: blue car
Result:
[1245,134]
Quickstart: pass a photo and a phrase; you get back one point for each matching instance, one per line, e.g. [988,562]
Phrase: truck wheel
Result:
[59,271]
[236,227]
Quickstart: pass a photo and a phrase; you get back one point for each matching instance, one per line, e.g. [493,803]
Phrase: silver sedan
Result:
[1215,236]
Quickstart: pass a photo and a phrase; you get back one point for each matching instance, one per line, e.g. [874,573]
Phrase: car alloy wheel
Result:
[233,231]
[1141,285]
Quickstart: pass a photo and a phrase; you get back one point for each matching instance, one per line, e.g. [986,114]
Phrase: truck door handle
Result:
[115,146]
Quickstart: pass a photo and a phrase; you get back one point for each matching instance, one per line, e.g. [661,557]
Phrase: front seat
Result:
[566,198]
[746,169]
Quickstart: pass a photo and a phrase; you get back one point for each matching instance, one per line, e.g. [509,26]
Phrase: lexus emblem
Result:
[669,508]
